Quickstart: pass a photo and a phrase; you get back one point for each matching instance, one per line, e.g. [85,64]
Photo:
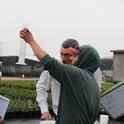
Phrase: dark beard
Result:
[65,62]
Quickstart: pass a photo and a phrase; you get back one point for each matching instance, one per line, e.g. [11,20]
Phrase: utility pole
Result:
[0,70]
[1,49]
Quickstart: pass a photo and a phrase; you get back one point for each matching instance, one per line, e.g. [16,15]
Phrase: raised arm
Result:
[55,68]
[28,37]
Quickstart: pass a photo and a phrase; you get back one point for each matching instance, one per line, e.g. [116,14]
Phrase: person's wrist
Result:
[32,42]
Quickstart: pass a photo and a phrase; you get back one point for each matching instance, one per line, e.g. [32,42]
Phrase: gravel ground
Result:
[23,121]
[37,121]
[17,78]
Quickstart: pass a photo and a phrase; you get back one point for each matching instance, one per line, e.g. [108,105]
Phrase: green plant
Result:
[22,94]
[106,85]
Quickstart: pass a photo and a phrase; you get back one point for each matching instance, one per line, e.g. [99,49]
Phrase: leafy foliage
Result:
[22,94]
[106,85]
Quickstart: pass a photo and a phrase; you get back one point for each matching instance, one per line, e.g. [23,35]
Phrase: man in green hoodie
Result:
[79,95]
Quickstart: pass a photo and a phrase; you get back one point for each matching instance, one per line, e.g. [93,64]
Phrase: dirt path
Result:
[17,78]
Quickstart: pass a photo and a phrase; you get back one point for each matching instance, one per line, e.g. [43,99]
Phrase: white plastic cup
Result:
[104,119]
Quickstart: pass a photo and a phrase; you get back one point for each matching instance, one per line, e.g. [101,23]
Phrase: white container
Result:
[4,102]
[104,119]
[47,122]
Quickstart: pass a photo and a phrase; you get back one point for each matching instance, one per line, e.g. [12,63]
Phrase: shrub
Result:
[22,94]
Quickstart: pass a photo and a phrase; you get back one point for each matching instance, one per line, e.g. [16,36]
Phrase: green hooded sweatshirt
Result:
[79,95]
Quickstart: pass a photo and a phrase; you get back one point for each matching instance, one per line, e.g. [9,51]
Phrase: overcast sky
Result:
[99,23]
